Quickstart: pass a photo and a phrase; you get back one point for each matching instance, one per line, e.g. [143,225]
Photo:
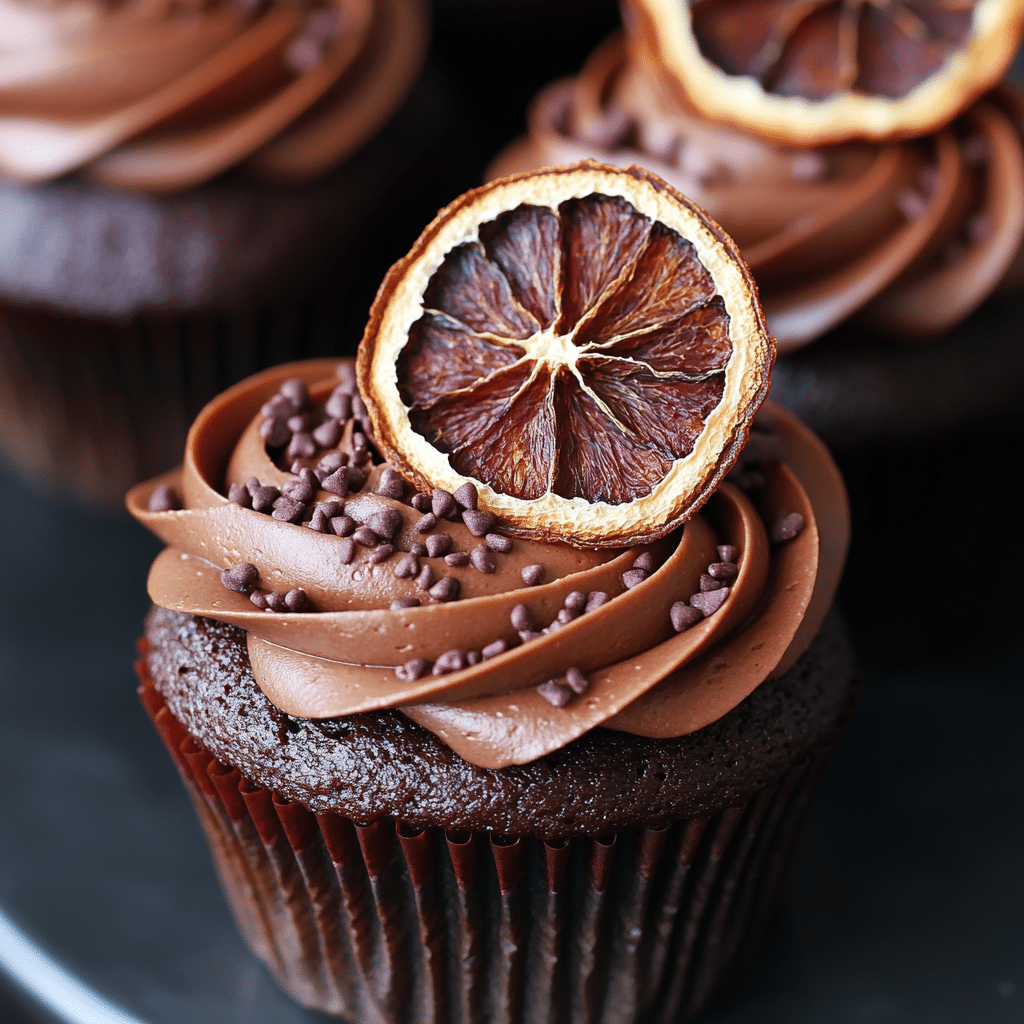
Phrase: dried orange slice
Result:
[811,72]
[582,344]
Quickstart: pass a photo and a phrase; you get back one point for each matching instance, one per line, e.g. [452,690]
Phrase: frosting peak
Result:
[157,97]
[388,598]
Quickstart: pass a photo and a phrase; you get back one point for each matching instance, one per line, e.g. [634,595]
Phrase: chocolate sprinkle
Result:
[438,544]
[301,490]
[576,680]
[787,527]
[241,577]
[337,482]
[474,657]
[275,602]
[520,618]
[163,499]
[332,461]
[295,389]
[450,661]
[554,693]
[526,635]
[339,404]
[275,432]
[684,616]
[493,649]
[710,601]
[445,589]
[301,446]
[418,549]
[532,574]
[426,578]
[298,422]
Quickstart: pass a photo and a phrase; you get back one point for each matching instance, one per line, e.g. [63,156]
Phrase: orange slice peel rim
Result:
[574,520]
[741,101]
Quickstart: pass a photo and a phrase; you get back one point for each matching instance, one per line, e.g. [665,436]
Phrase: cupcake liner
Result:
[384,922]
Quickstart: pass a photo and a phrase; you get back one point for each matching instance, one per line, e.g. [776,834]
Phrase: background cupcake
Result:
[205,210]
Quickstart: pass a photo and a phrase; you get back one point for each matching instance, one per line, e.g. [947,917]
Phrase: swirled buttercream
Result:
[908,236]
[159,96]
[355,552]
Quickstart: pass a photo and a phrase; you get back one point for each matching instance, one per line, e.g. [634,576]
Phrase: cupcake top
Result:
[910,236]
[158,97]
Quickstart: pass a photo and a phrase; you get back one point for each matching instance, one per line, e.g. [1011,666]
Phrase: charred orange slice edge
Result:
[582,344]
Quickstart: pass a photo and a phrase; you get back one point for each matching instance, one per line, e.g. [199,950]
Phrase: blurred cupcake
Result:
[182,187]
[888,241]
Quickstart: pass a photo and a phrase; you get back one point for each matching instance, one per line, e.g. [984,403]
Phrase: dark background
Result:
[906,903]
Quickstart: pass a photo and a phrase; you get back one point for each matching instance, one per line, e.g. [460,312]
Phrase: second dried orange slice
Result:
[582,344]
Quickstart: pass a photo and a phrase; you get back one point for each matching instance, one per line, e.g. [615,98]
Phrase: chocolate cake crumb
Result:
[163,499]
[240,578]
[787,527]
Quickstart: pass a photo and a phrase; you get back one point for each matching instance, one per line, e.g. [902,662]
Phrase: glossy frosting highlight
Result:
[908,236]
[160,97]
[340,657]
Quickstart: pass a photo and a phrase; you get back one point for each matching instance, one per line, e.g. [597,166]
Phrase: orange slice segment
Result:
[811,72]
[582,344]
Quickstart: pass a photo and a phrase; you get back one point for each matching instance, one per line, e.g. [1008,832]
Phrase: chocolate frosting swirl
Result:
[341,657]
[909,236]
[158,97]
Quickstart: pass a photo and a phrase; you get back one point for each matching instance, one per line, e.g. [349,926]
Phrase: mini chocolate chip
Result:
[723,570]
[288,510]
[684,616]
[275,602]
[359,410]
[633,578]
[450,661]
[787,527]
[346,372]
[521,618]
[330,508]
[297,467]
[595,599]
[408,567]
[298,422]
[301,446]
[727,553]
[438,544]
[275,432]
[709,583]
[300,490]
[576,601]
[577,681]
[526,635]
[401,603]
[356,478]
[421,502]
[263,498]
[259,599]
[442,502]
[386,522]
[278,406]
[391,484]
[295,599]
[554,693]
[381,553]
[644,561]
[163,499]
[343,526]
[365,537]
[445,589]
[532,574]
[339,405]
[426,578]
[358,442]
[494,648]
[296,390]
[482,559]
[474,657]
[418,549]
[457,558]
[252,484]
[466,496]
[331,462]
[241,577]
[710,601]
[337,482]
[412,670]
[319,521]
[328,434]
[346,550]
[478,523]
[498,542]
[565,616]
[425,523]
[239,494]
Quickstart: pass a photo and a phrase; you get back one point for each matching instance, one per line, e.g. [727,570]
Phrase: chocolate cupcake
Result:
[173,227]
[411,840]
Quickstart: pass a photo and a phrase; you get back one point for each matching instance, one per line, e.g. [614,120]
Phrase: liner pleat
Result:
[385,923]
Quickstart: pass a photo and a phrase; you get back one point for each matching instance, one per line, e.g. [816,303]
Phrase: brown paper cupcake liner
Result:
[384,922]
